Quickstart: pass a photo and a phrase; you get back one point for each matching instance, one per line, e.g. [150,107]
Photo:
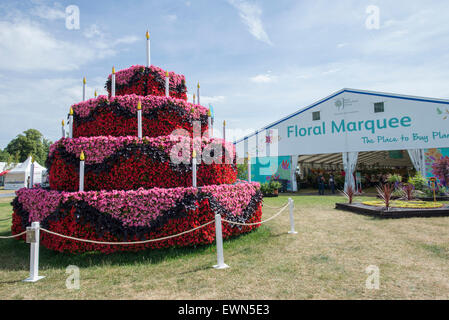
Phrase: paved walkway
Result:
[7,195]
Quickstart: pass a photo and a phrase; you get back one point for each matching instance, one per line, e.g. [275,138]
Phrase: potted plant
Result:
[275,186]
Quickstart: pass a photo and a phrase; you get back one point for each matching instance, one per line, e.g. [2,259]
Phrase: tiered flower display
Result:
[133,189]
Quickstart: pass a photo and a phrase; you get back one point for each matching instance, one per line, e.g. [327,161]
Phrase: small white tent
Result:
[18,177]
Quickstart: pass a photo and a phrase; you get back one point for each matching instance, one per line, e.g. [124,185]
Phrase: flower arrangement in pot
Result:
[270,188]
[275,186]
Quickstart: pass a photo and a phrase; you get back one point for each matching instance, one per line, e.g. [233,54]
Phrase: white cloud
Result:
[44,11]
[250,14]
[26,46]
[40,103]
[125,40]
[263,78]
[92,31]
[205,100]
[171,17]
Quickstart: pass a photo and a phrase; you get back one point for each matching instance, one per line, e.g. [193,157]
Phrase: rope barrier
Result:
[13,236]
[255,223]
[126,242]
[33,237]
[150,240]
[265,205]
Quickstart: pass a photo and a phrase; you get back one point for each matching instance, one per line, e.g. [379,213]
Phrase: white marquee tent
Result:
[353,125]
[18,177]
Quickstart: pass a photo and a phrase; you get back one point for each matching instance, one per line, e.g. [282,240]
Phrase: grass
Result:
[325,260]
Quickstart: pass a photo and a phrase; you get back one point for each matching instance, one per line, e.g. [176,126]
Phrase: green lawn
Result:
[325,260]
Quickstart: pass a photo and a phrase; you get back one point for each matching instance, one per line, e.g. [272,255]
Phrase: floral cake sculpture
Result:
[133,190]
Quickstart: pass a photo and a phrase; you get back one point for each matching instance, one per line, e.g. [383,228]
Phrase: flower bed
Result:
[144,81]
[126,163]
[118,116]
[405,204]
[136,215]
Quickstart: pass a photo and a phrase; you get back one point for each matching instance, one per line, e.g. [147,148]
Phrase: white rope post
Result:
[139,120]
[219,241]
[113,82]
[194,183]
[198,92]
[63,128]
[32,172]
[292,222]
[33,238]
[249,167]
[148,49]
[81,188]
[71,123]
[167,84]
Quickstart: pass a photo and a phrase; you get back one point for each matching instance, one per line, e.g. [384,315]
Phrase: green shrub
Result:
[242,171]
[266,188]
[394,178]
[275,185]
[419,182]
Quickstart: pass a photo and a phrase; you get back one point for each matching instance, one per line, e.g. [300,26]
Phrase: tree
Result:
[4,155]
[440,168]
[31,142]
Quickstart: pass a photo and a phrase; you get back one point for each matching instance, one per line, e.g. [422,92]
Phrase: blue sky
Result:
[256,60]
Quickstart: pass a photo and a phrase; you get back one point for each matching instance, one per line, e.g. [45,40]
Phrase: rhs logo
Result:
[339,103]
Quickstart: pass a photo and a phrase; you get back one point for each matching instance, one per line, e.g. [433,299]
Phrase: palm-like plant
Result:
[385,191]
[408,191]
[349,193]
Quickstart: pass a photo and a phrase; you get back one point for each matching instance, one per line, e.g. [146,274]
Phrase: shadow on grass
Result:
[14,254]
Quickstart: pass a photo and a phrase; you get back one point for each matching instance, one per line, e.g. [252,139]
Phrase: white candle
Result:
[81,171]
[148,49]
[209,122]
[198,92]
[71,123]
[194,168]
[193,98]
[139,120]
[211,109]
[84,89]
[167,84]
[249,168]
[63,128]
[113,82]
[224,129]
[32,172]
[95,93]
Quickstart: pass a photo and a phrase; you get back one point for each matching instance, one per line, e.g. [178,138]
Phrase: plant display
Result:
[385,191]
[349,193]
[126,163]
[136,215]
[270,187]
[145,81]
[118,116]
[405,204]
[418,181]
[408,191]
[138,189]
[440,168]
